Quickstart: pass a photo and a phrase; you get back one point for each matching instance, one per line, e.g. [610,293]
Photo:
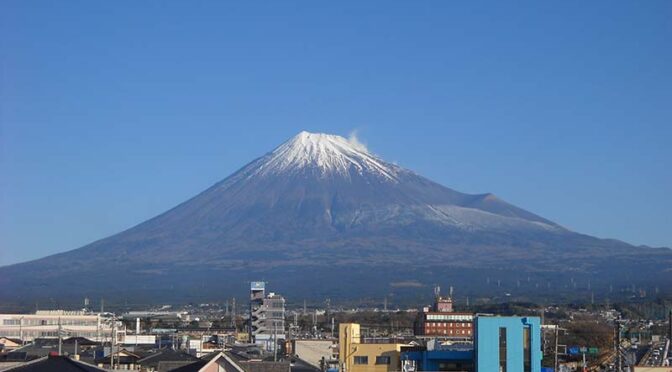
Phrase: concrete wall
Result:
[312,351]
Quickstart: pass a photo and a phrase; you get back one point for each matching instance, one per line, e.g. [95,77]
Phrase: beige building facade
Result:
[355,356]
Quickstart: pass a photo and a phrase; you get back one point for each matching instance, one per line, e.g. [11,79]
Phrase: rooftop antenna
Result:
[437,291]
[451,291]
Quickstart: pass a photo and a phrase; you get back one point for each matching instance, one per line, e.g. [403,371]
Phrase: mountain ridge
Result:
[322,202]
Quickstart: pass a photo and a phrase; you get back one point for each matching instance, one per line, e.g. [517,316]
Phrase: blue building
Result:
[501,344]
[442,358]
[508,344]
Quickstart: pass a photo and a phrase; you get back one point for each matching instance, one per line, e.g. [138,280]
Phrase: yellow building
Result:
[355,356]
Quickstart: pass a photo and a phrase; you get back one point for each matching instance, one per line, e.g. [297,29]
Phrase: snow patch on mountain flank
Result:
[330,154]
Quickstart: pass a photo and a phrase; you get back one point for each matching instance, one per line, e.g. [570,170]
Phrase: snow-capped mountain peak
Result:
[329,154]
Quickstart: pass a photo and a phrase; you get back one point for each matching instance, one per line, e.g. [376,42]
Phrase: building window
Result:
[361,360]
[527,350]
[383,360]
[502,349]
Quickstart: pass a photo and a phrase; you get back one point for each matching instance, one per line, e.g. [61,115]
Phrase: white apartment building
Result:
[46,324]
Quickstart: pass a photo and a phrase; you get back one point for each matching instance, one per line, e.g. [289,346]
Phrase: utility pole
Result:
[315,323]
[669,325]
[60,338]
[233,313]
[113,342]
[555,354]
[275,342]
[619,359]
[21,330]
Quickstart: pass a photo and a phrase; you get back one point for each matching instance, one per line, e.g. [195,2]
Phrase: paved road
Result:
[654,356]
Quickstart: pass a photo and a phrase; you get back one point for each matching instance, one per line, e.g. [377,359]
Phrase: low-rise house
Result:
[9,343]
[55,363]
[165,360]
[123,359]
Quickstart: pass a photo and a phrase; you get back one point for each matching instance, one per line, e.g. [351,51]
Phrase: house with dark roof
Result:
[233,362]
[165,360]
[55,363]
[123,359]
[215,362]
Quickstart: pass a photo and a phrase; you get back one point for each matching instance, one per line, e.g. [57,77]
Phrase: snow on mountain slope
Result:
[320,183]
[330,154]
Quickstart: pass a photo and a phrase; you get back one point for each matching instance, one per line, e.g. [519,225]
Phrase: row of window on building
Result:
[451,325]
[26,334]
[39,322]
[381,359]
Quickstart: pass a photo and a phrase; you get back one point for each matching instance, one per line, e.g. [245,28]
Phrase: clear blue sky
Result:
[114,111]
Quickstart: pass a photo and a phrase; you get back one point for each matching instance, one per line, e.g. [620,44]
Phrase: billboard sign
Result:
[257,286]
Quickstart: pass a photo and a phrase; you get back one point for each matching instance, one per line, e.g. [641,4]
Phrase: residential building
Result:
[123,359]
[165,360]
[267,317]
[231,362]
[356,356]
[8,343]
[46,324]
[54,363]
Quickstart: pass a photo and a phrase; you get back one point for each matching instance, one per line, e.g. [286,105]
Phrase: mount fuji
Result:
[321,216]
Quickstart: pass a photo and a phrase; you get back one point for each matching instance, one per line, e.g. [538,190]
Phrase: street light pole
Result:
[21,329]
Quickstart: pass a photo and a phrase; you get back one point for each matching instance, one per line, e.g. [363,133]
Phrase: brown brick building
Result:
[444,324]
